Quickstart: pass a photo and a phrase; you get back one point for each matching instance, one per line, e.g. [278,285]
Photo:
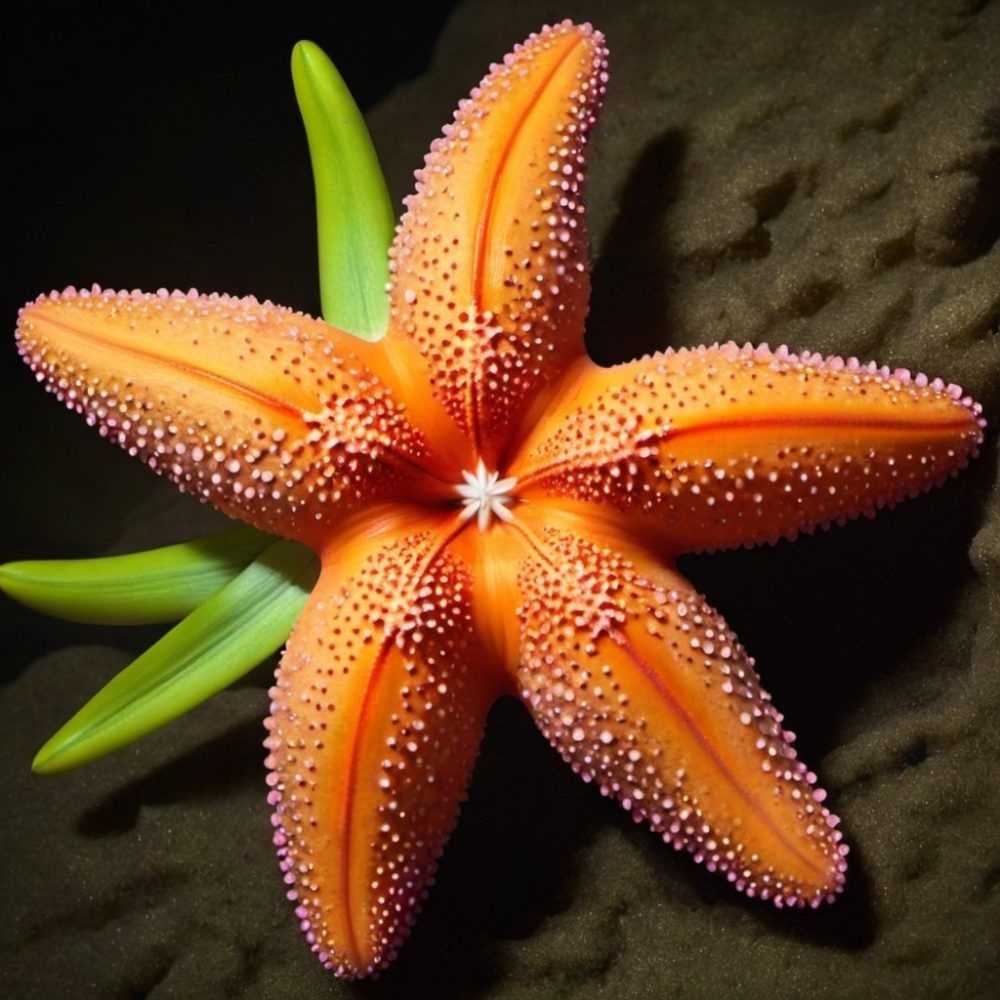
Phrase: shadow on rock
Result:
[208,771]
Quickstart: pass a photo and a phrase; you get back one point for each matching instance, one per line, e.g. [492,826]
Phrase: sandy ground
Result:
[823,175]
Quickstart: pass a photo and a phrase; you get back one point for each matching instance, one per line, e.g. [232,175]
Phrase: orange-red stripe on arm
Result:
[727,445]
[262,411]
[645,691]
[377,712]
[490,278]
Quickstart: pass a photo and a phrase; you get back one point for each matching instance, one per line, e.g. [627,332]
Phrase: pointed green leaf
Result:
[353,211]
[242,624]
[141,588]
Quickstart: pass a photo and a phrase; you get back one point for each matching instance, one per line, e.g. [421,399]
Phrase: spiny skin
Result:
[496,514]
[643,689]
[377,685]
[723,445]
[251,406]
[490,274]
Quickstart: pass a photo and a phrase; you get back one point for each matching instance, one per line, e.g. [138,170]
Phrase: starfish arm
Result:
[272,416]
[724,446]
[376,717]
[645,691]
[489,266]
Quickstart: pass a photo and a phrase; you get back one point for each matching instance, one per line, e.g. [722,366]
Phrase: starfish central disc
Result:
[485,493]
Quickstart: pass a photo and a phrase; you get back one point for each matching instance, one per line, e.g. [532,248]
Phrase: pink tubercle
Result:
[783,355]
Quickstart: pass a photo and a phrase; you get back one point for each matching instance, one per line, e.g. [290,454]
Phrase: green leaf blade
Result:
[224,638]
[141,588]
[354,214]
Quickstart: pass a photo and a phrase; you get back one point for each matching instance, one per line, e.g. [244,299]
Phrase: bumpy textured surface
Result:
[498,220]
[414,720]
[729,446]
[904,711]
[644,690]
[324,431]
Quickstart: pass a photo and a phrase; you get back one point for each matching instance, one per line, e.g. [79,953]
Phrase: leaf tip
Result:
[47,760]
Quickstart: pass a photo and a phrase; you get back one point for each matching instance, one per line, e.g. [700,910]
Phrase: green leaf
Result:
[159,585]
[242,624]
[353,211]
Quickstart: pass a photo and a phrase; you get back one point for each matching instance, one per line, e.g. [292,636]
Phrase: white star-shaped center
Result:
[483,494]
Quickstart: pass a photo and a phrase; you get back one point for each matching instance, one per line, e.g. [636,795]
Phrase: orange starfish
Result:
[495,514]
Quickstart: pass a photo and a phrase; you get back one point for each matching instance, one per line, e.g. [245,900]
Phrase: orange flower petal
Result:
[376,717]
[269,414]
[490,273]
[727,445]
[644,690]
